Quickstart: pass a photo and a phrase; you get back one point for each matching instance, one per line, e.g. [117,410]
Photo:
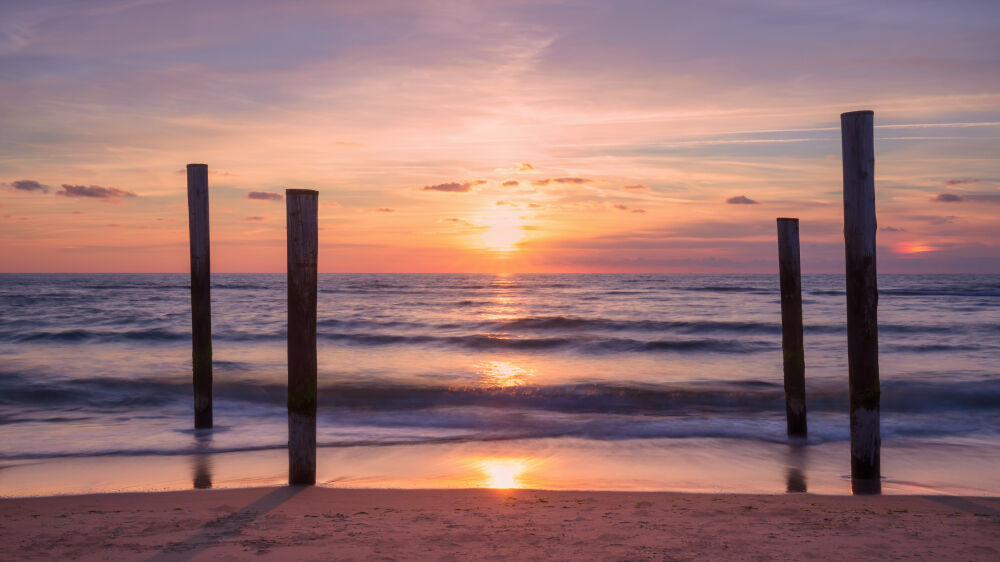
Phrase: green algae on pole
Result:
[303,249]
[201,304]
[791,327]
[857,137]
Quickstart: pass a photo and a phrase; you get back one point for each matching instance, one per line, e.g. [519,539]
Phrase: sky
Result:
[584,136]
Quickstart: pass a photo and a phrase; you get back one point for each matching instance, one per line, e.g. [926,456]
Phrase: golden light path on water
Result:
[503,374]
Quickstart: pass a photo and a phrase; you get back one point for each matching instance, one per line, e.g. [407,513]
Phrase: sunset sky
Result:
[585,136]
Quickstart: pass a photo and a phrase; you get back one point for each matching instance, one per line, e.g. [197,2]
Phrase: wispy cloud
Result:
[463,224]
[385,210]
[94,191]
[254,218]
[635,187]
[960,182]
[29,185]
[624,207]
[511,183]
[570,180]
[525,167]
[741,200]
[948,198]
[936,219]
[265,196]
[454,186]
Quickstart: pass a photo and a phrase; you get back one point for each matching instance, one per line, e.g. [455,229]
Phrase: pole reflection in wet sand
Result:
[795,475]
[201,461]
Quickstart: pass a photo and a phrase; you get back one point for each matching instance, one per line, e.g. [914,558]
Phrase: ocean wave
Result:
[560,332]
[929,348]
[939,293]
[79,334]
[728,289]
[584,344]
[745,396]
[578,323]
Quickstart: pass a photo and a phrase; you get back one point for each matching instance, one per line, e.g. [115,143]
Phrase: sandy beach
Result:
[316,523]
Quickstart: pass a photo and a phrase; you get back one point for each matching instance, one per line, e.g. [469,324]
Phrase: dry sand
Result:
[332,524]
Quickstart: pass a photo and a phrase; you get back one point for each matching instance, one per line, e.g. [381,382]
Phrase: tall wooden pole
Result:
[858,142]
[303,246]
[201,304]
[791,326]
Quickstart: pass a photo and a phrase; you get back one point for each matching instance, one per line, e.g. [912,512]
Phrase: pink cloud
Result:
[454,186]
[94,191]
[265,196]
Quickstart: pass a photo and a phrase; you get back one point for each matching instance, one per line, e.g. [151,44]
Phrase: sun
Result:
[503,231]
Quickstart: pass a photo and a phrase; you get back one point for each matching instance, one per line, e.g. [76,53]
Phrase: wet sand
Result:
[324,523]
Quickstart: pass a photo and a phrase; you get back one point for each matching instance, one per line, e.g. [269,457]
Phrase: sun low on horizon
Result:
[494,136]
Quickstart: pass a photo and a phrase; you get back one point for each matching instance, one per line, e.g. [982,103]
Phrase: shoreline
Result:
[341,523]
[642,465]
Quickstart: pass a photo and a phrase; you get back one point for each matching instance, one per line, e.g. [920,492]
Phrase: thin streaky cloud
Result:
[29,185]
[93,191]
[265,196]
[948,198]
[454,186]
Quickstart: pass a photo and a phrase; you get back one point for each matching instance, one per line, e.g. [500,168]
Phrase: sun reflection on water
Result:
[503,374]
[503,474]
[505,302]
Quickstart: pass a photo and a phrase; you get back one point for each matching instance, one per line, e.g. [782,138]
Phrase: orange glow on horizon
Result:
[503,474]
[913,248]
[503,231]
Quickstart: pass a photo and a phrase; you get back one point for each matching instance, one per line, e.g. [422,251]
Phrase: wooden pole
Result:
[303,245]
[791,327]
[201,304]
[858,142]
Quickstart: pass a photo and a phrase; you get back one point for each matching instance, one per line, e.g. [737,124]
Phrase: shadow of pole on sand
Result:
[216,531]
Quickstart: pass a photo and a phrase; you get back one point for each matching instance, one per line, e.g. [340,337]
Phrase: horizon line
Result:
[475,273]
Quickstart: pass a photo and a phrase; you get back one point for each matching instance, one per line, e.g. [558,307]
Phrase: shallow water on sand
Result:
[675,377]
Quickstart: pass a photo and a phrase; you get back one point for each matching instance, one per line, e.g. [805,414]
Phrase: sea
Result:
[575,381]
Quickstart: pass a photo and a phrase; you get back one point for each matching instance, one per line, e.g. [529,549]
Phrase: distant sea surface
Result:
[100,365]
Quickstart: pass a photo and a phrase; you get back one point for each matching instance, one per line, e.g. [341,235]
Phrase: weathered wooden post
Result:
[791,326]
[201,304]
[303,246]
[857,136]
